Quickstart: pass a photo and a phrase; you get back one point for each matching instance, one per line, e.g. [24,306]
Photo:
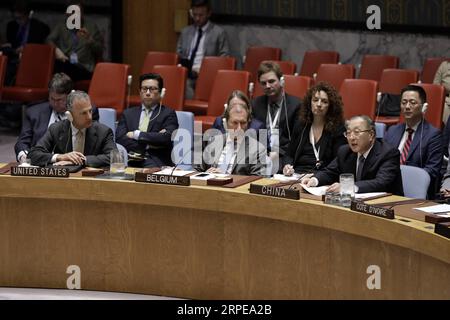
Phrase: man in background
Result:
[202,38]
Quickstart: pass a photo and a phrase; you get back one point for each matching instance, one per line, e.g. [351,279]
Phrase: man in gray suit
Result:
[202,38]
[77,140]
[237,151]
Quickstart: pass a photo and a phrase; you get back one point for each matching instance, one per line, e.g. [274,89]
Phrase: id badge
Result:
[73,58]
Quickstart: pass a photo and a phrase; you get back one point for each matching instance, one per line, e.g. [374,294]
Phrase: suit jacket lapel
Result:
[399,134]
[90,141]
[416,140]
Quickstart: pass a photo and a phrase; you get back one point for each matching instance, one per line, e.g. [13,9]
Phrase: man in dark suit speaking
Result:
[375,164]
[77,140]
[40,116]
[147,129]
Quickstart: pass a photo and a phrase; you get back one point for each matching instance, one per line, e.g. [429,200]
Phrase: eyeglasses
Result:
[271,82]
[152,89]
[412,103]
[355,132]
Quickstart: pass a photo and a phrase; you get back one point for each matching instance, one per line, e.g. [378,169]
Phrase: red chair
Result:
[255,55]
[335,74]
[205,80]
[435,99]
[33,75]
[429,69]
[287,68]
[225,82]
[174,78]
[359,97]
[393,81]
[313,59]
[3,64]
[108,87]
[372,66]
[154,58]
[297,85]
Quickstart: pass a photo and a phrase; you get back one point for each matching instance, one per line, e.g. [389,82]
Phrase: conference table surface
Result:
[205,242]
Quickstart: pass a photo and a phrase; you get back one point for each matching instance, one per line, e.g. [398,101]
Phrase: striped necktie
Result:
[79,142]
[406,146]
[361,160]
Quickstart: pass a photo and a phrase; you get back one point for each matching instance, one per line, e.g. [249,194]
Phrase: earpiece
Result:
[69,116]
[225,106]
[424,107]
[282,82]
[224,122]
[163,92]
[191,13]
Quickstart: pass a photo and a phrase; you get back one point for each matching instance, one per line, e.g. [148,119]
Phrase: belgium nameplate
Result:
[275,192]
[52,172]
[372,210]
[162,179]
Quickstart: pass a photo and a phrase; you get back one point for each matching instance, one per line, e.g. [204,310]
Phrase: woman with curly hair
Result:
[318,133]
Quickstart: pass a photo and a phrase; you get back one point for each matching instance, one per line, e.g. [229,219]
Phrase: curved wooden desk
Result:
[209,243]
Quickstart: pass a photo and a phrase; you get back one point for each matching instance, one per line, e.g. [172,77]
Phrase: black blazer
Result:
[160,144]
[35,125]
[38,32]
[98,144]
[331,142]
[381,171]
[259,111]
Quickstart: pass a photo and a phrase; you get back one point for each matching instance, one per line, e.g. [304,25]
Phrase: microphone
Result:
[300,178]
[129,81]
[179,162]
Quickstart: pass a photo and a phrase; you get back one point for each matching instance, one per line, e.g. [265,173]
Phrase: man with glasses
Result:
[146,130]
[40,116]
[276,109]
[419,143]
[374,164]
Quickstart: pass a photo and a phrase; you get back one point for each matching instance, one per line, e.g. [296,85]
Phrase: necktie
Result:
[361,160]
[406,146]
[79,142]
[58,117]
[143,126]
[197,43]
[273,110]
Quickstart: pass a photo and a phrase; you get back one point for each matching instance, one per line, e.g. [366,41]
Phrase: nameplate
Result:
[372,210]
[51,172]
[275,191]
[162,179]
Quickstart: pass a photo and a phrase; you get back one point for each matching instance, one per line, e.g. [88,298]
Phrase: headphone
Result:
[69,116]
[424,107]
[163,92]
[282,82]
[191,13]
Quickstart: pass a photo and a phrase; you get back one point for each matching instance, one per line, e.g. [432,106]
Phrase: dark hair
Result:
[240,95]
[60,83]
[370,123]
[21,6]
[335,114]
[268,66]
[201,3]
[152,76]
[418,89]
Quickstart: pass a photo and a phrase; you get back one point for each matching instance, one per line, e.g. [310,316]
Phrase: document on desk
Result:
[176,173]
[370,195]
[283,178]
[439,208]
[317,191]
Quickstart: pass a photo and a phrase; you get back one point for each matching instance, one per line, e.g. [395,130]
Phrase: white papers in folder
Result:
[283,178]
[439,208]
[362,196]
[317,191]
[176,173]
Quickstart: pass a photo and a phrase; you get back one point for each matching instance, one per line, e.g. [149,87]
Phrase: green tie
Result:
[144,124]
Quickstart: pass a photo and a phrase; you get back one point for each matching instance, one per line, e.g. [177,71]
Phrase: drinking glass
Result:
[347,183]
[117,167]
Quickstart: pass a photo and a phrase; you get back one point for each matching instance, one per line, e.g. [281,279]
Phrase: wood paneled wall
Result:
[149,25]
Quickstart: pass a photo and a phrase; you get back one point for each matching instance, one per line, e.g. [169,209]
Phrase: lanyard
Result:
[311,139]
[273,124]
